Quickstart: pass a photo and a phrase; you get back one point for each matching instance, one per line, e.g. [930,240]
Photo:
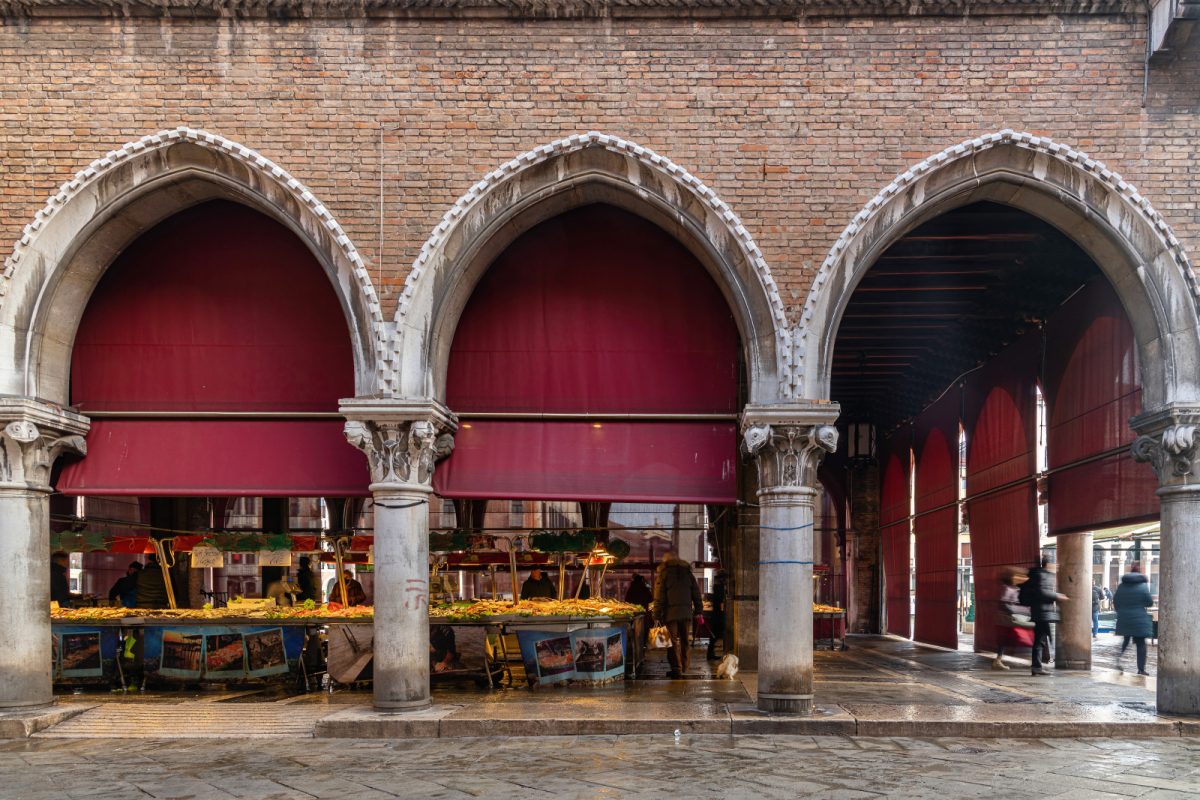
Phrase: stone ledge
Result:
[825,721]
[24,723]
[364,722]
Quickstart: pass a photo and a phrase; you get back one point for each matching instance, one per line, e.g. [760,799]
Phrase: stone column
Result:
[402,443]
[1169,443]
[787,444]
[33,437]
[1073,636]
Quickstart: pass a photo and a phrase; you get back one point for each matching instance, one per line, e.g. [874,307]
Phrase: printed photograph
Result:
[554,656]
[616,653]
[265,650]
[224,652]
[181,651]
[589,653]
[81,652]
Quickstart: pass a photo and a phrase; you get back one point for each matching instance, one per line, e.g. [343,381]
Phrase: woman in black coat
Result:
[1133,620]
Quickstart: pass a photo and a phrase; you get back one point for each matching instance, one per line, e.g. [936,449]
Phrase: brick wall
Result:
[796,124]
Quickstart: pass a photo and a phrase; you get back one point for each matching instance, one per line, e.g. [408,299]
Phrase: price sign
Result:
[275,558]
[205,556]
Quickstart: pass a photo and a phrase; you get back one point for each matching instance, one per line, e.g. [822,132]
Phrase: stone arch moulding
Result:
[1133,246]
[564,174]
[64,251]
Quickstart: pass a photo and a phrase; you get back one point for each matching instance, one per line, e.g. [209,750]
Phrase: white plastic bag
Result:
[660,638]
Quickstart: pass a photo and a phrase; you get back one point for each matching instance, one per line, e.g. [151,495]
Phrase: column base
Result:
[1076,665]
[801,704]
[403,705]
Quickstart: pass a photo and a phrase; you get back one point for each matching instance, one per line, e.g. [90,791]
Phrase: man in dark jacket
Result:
[538,586]
[676,603]
[1040,594]
[1133,620]
[60,581]
[151,588]
[1097,598]
[124,591]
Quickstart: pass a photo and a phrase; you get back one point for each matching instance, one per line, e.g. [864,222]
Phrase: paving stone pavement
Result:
[733,768]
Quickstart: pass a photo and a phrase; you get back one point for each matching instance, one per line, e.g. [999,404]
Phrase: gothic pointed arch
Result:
[1105,215]
[557,177]
[62,254]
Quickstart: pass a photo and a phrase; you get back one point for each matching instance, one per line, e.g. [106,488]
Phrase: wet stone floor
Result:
[701,767]
[877,681]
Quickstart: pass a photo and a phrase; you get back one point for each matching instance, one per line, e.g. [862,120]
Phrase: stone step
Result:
[189,721]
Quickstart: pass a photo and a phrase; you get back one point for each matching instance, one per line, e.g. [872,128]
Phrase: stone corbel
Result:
[33,438]
[402,442]
[788,447]
[1169,443]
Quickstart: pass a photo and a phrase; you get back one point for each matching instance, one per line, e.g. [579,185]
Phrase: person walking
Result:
[1131,600]
[1013,625]
[124,590]
[151,586]
[1041,595]
[60,580]
[677,601]
[1097,597]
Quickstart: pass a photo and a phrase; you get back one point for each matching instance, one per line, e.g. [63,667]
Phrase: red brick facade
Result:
[794,122]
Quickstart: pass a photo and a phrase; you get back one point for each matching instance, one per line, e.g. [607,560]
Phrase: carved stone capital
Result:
[787,447]
[1169,443]
[402,441]
[33,437]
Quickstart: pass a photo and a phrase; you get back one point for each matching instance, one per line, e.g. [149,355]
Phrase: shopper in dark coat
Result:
[124,590]
[677,601]
[306,579]
[1040,594]
[1133,620]
[151,588]
[60,581]
[538,586]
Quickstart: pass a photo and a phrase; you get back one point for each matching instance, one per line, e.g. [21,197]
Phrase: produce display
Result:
[820,609]
[482,609]
[450,612]
[307,610]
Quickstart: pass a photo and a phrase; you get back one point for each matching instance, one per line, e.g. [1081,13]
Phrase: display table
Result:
[830,626]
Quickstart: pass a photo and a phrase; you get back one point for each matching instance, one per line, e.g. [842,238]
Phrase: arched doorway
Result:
[1115,233]
[49,280]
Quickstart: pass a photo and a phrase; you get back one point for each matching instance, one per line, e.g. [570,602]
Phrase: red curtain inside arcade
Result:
[1000,418]
[1092,389]
[935,525]
[595,311]
[218,308]
[894,532]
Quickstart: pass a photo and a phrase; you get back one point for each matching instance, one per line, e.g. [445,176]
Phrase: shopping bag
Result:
[660,638]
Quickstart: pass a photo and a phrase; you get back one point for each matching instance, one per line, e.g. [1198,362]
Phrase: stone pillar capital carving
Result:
[402,440]
[33,436]
[787,444]
[1169,440]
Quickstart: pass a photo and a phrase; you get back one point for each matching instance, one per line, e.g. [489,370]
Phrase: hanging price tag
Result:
[205,556]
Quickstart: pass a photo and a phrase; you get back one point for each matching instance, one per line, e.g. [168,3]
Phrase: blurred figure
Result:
[1097,599]
[306,579]
[1040,594]
[1014,628]
[538,586]
[60,580]
[676,603]
[1133,620]
[124,590]
[716,617]
[639,593]
[151,587]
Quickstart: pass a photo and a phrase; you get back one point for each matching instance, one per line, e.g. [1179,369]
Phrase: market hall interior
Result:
[1109,296]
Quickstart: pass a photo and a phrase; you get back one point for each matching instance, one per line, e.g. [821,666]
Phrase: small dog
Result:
[728,668]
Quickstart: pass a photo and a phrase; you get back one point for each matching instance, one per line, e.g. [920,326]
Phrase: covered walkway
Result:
[880,686]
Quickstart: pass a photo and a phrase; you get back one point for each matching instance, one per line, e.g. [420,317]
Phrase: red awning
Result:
[647,462]
[235,458]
